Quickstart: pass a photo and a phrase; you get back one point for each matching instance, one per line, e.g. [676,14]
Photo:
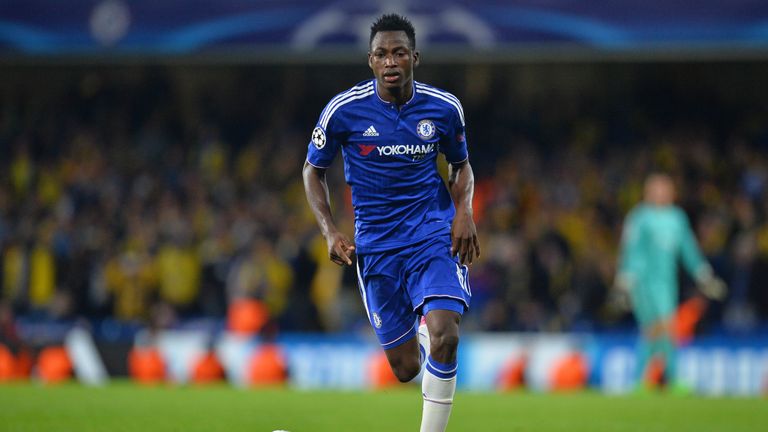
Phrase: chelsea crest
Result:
[425,129]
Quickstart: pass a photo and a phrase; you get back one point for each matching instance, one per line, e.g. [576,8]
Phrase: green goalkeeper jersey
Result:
[654,238]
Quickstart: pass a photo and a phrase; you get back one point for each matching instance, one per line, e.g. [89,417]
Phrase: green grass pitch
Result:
[128,407]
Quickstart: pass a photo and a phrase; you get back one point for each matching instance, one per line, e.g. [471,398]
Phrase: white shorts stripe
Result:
[343,99]
[361,286]
[439,96]
[400,337]
[461,271]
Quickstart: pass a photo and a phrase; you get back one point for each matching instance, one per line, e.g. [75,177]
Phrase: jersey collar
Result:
[376,92]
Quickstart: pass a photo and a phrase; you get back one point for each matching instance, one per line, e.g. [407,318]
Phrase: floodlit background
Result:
[153,221]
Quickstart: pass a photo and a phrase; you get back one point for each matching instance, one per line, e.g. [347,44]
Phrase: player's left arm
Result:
[461,183]
[631,252]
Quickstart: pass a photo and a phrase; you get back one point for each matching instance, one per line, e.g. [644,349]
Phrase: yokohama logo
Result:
[403,149]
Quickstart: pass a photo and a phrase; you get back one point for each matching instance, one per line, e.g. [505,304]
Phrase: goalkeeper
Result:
[656,234]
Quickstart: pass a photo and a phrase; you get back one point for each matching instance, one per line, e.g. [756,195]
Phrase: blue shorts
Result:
[396,284]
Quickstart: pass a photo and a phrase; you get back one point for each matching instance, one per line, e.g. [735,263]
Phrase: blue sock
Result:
[442,370]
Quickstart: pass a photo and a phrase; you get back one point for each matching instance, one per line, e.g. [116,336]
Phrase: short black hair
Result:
[394,22]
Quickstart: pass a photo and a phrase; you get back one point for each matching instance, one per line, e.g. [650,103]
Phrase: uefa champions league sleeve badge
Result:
[318,138]
[425,129]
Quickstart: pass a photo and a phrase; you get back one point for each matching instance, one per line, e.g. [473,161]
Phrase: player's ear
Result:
[370,60]
[416,57]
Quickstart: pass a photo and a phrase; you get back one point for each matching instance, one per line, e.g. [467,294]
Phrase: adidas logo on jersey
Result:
[370,132]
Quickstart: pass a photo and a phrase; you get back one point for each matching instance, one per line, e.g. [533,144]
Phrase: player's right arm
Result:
[340,248]
[321,151]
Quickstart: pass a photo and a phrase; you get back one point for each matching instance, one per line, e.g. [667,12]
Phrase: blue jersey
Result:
[390,161]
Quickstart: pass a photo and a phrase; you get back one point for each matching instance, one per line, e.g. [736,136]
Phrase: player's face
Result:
[660,190]
[392,60]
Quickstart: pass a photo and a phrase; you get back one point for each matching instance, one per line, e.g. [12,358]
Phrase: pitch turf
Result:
[127,407]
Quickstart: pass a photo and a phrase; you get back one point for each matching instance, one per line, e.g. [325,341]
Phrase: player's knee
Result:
[444,346]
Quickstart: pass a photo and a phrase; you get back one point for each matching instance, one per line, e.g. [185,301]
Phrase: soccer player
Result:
[656,234]
[414,237]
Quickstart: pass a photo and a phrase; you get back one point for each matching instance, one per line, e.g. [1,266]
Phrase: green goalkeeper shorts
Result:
[653,303]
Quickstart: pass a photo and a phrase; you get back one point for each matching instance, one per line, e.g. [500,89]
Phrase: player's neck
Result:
[398,95]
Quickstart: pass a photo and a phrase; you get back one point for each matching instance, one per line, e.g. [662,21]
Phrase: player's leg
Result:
[667,306]
[645,316]
[404,360]
[439,382]
[667,350]
[389,311]
[423,339]
[443,326]
[649,348]
[654,308]
[439,290]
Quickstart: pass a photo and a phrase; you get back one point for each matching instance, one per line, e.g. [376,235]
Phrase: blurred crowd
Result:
[156,194]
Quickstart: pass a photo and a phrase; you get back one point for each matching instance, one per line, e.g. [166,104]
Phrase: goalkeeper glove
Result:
[710,285]
[619,296]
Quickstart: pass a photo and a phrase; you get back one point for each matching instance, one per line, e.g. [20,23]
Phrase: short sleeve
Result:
[323,145]
[454,142]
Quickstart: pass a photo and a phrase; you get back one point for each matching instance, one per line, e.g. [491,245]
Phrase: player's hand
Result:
[464,238]
[619,296]
[340,248]
[619,300]
[713,288]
